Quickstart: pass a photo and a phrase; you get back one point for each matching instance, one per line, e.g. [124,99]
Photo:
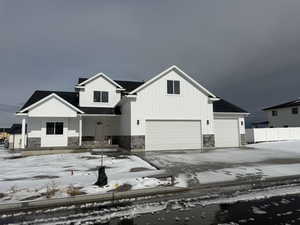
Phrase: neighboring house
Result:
[284,115]
[15,137]
[4,134]
[170,111]
[263,124]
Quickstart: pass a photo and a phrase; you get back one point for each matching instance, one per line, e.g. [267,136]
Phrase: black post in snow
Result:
[102,178]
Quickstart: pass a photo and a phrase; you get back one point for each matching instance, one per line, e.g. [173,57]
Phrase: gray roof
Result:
[285,105]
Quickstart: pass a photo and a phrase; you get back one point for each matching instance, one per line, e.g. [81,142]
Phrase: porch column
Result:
[80,130]
[23,132]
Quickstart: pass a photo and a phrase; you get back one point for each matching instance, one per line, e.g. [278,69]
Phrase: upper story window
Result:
[55,128]
[173,87]
[274,113]
[100,96]
[295,110]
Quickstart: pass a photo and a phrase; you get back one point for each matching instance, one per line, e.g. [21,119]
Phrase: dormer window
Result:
[101,96]
[173,87]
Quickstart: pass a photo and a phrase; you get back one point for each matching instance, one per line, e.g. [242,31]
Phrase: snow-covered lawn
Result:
[39,177]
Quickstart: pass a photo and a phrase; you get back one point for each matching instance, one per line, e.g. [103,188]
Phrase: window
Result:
[100,96]
[54,128]
[295,110]
[274,113]
[173,87]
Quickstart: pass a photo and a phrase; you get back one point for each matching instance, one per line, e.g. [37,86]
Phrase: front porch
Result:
[81,132]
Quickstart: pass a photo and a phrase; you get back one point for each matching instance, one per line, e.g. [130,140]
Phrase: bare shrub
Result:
[51,189]
[13,189]
[73,191]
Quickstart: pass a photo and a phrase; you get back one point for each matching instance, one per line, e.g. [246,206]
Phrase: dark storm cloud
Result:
[245,51]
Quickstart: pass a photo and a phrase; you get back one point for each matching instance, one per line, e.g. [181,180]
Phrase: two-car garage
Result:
[187,134]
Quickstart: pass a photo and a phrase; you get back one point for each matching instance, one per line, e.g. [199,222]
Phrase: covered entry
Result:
[173,134]
[227,132]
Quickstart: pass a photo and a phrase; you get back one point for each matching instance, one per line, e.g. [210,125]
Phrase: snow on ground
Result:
[38,176]
[273,159]
[221,156]
[256,153]
[279,146]
[264,171]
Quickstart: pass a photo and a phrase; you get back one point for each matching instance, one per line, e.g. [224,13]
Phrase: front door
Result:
[99,134]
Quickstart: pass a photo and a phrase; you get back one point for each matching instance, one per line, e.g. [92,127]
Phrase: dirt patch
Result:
[40,177]
[18,178]
[122,188]
[139,169]
[67,166]
[96,169]
[121,157]
[2,195]
[70,170]
[89,157]
[15,157]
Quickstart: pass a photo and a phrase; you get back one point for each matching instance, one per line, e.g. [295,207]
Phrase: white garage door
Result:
[173,135]
[227,133]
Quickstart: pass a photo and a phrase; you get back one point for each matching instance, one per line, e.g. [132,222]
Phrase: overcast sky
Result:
[247,52]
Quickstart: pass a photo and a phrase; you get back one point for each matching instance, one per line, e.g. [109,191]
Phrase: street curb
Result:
[81,199]
[217,188]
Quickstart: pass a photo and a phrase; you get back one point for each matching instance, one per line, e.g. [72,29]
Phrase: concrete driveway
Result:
[259,160]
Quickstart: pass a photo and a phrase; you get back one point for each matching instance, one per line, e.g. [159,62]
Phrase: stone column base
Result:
[73,141]
[208,140]
[243,139]
[34,142]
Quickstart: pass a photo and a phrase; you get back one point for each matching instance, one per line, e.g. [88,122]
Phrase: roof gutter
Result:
[231,113]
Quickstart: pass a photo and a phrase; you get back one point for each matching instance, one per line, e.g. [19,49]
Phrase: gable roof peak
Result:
[180,72]
[83,81]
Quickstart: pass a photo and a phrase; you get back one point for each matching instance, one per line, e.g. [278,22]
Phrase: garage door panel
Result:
[170,135]
[226,133]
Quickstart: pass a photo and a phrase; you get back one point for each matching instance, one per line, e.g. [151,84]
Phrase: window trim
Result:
[173,91]
[100,97]
[55,124]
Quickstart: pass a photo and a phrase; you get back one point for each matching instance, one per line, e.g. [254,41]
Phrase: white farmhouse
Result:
[284,115]
[170,111]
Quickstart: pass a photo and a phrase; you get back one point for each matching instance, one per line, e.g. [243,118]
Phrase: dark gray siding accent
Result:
[130,142]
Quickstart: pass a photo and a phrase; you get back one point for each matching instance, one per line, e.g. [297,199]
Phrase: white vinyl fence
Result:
[272,134]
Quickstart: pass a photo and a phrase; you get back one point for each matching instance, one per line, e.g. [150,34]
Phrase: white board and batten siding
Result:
[154,104]
[173,134]
[86,97]
[39,115]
